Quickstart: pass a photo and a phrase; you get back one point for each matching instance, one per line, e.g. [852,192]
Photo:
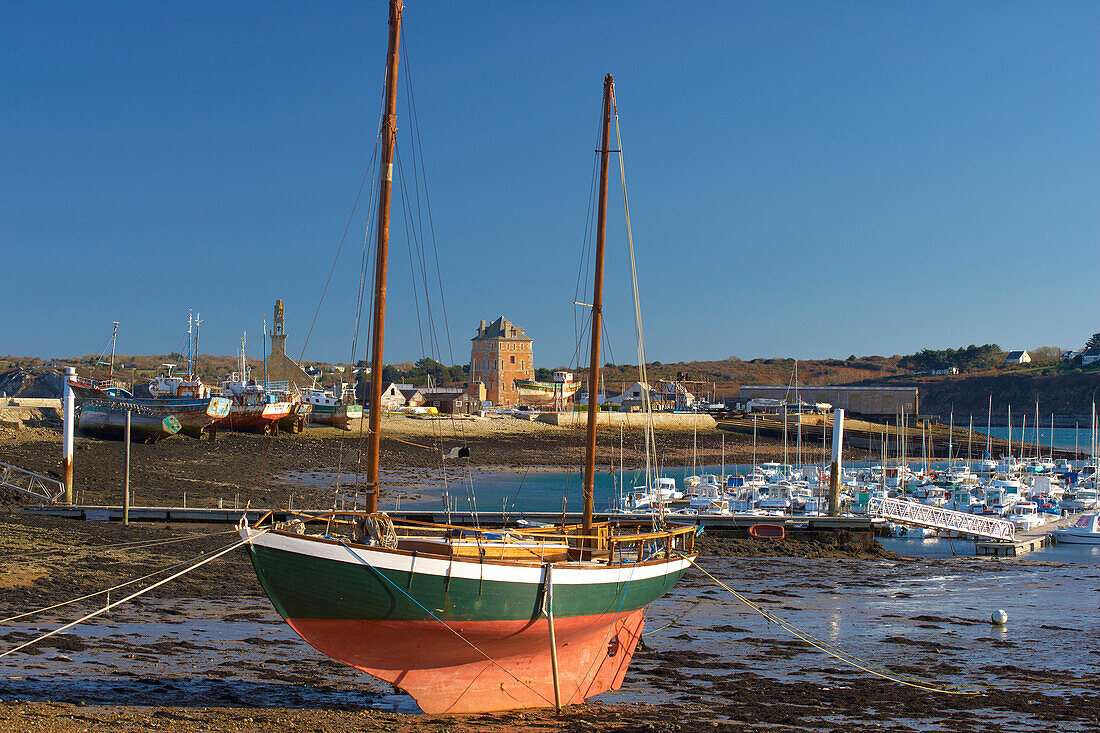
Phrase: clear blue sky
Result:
[807,179]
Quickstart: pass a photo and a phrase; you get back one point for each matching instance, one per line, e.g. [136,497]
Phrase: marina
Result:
[550,380]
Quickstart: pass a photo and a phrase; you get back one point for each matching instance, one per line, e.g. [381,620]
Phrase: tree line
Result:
[966,358]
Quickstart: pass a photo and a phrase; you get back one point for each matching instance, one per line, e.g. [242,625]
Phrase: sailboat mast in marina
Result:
[471,620]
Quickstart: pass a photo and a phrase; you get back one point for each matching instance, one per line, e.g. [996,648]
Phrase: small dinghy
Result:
[767,531]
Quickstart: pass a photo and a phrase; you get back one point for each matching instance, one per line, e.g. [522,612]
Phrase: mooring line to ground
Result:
[673,622]
[850,659]
[134,545]
[106,590]
[132,596]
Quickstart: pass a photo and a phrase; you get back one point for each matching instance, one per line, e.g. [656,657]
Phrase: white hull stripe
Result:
[564,573]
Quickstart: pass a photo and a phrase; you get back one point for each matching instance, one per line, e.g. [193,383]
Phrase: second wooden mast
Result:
[378,328]
[597,312]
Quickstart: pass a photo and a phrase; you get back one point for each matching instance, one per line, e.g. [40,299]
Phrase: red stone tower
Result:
[501,354]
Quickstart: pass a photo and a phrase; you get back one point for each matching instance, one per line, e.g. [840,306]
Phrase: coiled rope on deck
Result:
[850,659]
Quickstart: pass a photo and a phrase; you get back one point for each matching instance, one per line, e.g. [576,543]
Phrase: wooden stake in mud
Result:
[126,480]
[68,412]
[548,603]
[385,175]
[597,313]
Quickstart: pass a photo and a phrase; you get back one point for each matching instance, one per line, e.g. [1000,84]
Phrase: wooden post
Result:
[126,480]
[68,411]
[838,457]
[549,609]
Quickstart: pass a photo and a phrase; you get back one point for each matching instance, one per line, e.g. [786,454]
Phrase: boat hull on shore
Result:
[545,393]
[108,419]
[256,418]
[194,414]
[462,635]
[339,416]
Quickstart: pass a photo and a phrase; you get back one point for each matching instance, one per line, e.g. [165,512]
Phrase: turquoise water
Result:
[1063,437]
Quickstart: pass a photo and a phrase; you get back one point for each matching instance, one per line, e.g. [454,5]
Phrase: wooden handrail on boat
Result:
[603,544]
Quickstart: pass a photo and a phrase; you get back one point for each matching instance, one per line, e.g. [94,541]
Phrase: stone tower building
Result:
[501,354]
[281,367]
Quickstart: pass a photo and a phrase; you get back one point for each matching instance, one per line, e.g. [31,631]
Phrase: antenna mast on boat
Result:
[198,321]
[597,311]
[189,350]
[114,337]
[385,183]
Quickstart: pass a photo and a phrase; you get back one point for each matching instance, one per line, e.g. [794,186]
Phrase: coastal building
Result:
[501,353]
[1090,356]
[393,397]
[450,400]
[881,403]
[413,397]
[280,367]
[1018,357]
[672,396]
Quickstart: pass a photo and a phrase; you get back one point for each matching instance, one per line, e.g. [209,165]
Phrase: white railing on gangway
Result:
[32,484]
[923,515]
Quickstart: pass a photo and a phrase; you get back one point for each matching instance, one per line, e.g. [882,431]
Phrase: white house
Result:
[1089,356]
[1018,357]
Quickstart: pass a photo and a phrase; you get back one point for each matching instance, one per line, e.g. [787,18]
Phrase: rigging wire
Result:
[109,606]
[134,545]
[158,571]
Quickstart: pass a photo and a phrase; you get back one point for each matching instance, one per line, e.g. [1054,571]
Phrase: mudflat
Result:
[208,653]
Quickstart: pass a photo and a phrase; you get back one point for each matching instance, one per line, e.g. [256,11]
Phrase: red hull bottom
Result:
[444,674]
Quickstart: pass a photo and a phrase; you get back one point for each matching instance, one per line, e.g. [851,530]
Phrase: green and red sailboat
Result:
[471,620]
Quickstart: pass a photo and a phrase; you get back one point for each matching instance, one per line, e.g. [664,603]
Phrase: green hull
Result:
[301,586]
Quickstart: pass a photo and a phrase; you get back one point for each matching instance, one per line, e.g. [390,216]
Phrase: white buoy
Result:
[999,618]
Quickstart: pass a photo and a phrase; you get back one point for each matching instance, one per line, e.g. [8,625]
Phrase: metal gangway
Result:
[923,515]
[32,484]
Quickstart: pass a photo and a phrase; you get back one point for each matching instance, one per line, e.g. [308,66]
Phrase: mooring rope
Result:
[132,596]
[472,645]
[850,659]
[673,622]
[101,592]
[134,545]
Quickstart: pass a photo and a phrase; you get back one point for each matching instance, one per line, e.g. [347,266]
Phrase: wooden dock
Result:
[228,515]
[1024,542]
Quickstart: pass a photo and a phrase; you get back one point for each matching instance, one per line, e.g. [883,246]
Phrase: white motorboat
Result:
[1085,531]
[777,500]
[1025,515]
[1082,501]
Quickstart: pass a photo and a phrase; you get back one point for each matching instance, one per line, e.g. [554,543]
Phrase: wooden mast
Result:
[389,132]
[597,311]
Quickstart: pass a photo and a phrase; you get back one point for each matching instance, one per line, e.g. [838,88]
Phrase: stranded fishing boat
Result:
[472,620]
[328,409]
[103,406]
[191,401]
[547,394]
[106,416]
[177,404]
[253,409]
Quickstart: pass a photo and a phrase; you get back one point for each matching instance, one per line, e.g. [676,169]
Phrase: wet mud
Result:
[209,652]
